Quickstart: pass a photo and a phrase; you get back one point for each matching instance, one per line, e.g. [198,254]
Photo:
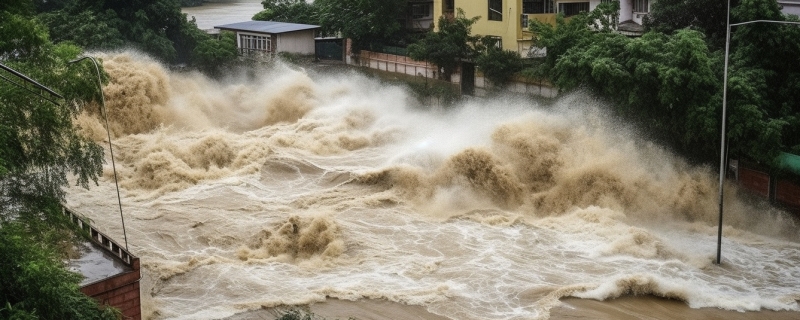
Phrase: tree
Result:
[294,11]
[498,65]
[763,83]
[155,26]
[363,21]
[211,55]
[706,16]
[449,46]
[40,148]
[35,285]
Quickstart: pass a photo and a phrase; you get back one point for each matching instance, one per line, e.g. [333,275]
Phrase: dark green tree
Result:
[706,16]
[40,148]
[35,285]
[214,54]
[498,65]
[363,21]
[448,46]
[763,83]
[294,11]
[155,26]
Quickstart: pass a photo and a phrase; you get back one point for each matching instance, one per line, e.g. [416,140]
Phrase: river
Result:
[212,14]
[288,186]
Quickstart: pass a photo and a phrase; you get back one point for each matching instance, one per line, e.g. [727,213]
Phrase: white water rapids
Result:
[289,186]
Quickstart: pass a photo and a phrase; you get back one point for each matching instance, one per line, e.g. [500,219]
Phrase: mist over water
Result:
[288,186]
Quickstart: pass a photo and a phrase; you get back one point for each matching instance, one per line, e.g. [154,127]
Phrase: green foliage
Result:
[706,16]
[212,54]
[295,314]
[35,285]
[20,36]
[497,65]
[763,85]
[364,21]
[40,148]
[671,83]
[561,37]
[294,11]
[447,47]
[85,29]
[155,26]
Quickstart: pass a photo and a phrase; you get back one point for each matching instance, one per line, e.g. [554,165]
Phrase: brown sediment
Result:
[650,307]
[297,238]
[626,307]
[135,95]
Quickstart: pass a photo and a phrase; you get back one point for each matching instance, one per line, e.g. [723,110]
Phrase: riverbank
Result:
[623,308]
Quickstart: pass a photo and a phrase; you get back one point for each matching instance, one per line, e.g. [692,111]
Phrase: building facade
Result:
[508,20]
[265,37]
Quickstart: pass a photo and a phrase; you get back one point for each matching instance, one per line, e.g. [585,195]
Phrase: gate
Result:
[329,49]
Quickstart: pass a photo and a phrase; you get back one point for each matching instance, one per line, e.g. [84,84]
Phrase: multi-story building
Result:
[507,20]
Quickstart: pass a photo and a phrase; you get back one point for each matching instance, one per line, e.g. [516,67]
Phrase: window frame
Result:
[495,10]
[642,5]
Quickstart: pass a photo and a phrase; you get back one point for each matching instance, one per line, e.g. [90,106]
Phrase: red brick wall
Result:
[755,181]
[120,291]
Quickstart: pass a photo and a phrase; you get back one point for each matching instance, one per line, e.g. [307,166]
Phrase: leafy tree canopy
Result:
[155,26]
[363,21]
[294,11]
[40,148]
[671,83]
[706,16]
[448,46]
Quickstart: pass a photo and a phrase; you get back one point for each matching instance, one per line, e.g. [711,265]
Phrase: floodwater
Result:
[283,186]
[217,13]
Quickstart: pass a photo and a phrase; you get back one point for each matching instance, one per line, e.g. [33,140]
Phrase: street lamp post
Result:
[724,106]
[108,132]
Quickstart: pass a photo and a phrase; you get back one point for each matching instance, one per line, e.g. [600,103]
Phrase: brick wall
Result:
[120,291]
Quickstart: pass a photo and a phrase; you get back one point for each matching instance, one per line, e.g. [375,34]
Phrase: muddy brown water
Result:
[285,186]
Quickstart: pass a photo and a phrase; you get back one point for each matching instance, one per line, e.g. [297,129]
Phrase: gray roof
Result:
[267,26]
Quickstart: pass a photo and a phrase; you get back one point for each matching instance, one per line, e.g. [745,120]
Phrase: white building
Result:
[261,37]
[790,6]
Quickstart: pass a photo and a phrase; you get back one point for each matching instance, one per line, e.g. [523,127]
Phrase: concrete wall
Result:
[395,63]
[482,87]
[301,42]
[406,65]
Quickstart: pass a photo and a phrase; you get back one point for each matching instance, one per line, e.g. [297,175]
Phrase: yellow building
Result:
[508,19]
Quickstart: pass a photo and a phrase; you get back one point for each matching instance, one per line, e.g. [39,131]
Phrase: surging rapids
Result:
[291,187]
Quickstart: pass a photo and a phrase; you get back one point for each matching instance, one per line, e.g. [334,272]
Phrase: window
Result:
[496,10]
[449,5]
[571,9]
[494,41]
[641,6]
[249,42]
[537,6]
[421,10]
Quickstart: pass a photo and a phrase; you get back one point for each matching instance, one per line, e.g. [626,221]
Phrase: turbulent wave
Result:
[288,186]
